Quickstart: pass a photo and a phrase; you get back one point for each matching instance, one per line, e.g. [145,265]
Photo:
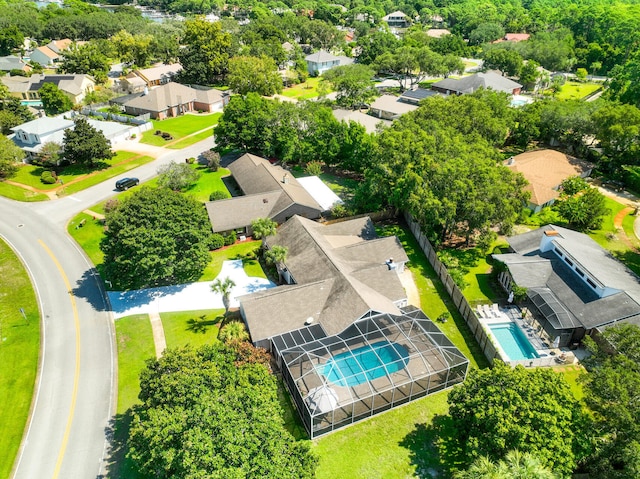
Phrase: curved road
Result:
[74,399]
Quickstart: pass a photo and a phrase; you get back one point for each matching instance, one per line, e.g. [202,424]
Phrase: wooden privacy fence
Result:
[458,299]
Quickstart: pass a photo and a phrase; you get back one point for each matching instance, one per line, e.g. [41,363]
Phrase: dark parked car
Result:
[126,183]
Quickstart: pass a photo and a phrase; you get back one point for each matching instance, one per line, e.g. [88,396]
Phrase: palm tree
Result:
[276,255]
[233,331]
[515,465]
[224,288]
[263,227]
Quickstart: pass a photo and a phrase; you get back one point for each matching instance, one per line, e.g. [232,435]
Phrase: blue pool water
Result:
[366,363]
[34,103]
[513,341]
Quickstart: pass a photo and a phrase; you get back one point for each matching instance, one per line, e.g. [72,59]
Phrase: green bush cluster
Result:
[48,177]
[218,195]
[230,239]
[216,241]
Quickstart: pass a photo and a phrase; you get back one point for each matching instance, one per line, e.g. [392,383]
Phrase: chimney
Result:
[285,178]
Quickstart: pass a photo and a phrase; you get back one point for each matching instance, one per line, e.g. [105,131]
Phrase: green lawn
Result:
[434,299]
[576,91]
[194,328]
[571,373]
[19,348]
[191,140]
[20,194]
[392,445]
[244,251]
[343,187]
[208,182]
[304,91]
[88,236]
[179,127]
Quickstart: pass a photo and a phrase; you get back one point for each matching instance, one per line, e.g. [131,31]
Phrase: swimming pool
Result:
[366,363]
[33,103]
[513,341]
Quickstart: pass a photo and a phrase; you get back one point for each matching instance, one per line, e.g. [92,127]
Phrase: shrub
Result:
[230,239]
[313,168]
[218,195]
[216,241]
[212,158]
[158,132]
[340,211]
[47,178]
[111,205]
[191,160]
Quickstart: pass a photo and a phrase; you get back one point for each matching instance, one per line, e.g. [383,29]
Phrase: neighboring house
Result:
[32,135]
[175,99]
[137,80]
[50,53]
[414,97]
[397,19]
[574,286]
[438,32]
[26,88]
[12,62]
[545,170]
[269,192]
[321,61]
[471,83]
[341,333]
[389,107]
[370,123]
[516,37]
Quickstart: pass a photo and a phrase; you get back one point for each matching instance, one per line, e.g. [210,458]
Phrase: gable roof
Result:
[396,14]
[516,37]
[369,122]
[340,274]
[173,94]
[321,56]
[417,94]
[69,83]
[58,46]
[12,62]
[545,170]
[159,72]
[48,52]
[392,104]
[471,83]
[43,125]
[437,32]
[563,296]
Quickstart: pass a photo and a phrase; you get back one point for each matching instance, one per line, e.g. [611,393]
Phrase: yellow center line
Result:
[76,377]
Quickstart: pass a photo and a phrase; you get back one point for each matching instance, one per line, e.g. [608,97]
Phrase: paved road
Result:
[66,437]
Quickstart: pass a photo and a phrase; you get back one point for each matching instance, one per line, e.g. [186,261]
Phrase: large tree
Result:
[611,392]
[251,74]
[10,157]
[585,209]
[353,83]
[54,101]
[88,59]
[84,144]
[205,54]
[504,408]
[214,413]
[155,237]
[507,61]
[177,176]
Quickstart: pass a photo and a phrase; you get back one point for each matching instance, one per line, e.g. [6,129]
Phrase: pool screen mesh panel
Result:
[379,362]
[551,308]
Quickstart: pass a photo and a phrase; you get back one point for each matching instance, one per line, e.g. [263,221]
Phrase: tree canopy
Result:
[155,237]
[214,412]
[353,83]
[177,176]
[83,144]
[10,156]
[252,74]
[205,54]
[54,101]
[500,409]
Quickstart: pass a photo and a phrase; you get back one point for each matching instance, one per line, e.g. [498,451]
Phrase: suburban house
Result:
[370,123]
[389,107]
[344,304]
[545,170]
[26,88]
[321,61]
[397,19]
[12,62]
[516,37]
[50,53]
[138,80]
[269,191]
[438,32]
[471,83]
[32,135]
[174,99]
[574,286]
[414,97]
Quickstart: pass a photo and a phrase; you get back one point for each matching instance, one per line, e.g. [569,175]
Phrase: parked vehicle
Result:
[126,183]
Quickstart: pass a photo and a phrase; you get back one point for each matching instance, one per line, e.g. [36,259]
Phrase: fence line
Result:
[458,299]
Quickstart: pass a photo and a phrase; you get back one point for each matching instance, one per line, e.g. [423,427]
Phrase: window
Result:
[568,261]
[558,252]
[579,271]
[591,283]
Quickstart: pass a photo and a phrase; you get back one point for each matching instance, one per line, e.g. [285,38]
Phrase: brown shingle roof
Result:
[545,170]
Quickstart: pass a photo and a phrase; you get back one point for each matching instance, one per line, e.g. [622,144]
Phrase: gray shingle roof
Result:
[321,56]
[337,280]
[471,83]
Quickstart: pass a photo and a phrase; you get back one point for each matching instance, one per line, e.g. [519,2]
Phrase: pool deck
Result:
[532,331]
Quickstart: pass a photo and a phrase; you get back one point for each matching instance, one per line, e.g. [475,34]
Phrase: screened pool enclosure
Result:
[379,362]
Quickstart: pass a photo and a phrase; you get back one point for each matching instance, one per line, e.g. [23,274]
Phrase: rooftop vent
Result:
[285,178]
[551,233]
[309,320]
[265,200]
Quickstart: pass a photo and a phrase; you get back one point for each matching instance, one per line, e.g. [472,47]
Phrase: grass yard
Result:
[571,373]
[304,91]
[392,445]
[194,328]
[577,91]
[191,140]
[208,182]
[88,236]
[343,187]
[246,251]
[19,349]
[179,127]
[20,194]
[434,299]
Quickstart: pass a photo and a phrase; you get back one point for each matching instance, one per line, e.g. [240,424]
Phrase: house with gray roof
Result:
[174,99]
[335,274]
[321,61]
[157,75]
[269,191]
[574,286]
[397,19]
[469,84]
[415,96]
[12,62]
[389,107]
[27,88]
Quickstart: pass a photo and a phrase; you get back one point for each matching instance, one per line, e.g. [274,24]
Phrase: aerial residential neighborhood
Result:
[310,240]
